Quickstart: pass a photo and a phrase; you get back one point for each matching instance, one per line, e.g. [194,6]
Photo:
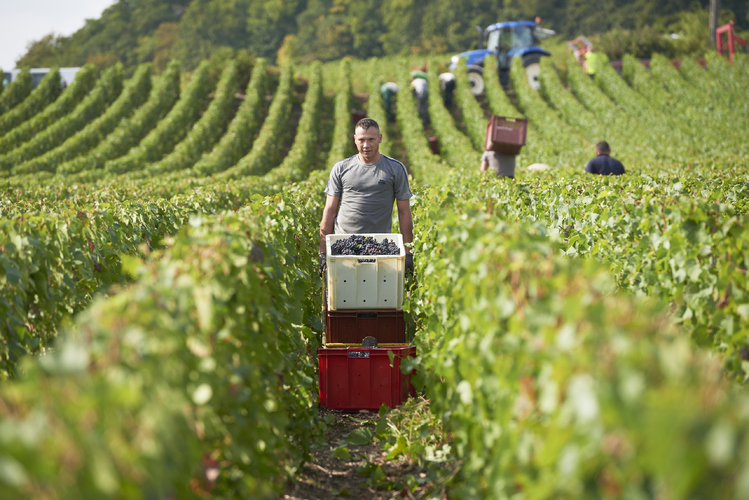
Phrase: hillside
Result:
[577,336]
[137,31]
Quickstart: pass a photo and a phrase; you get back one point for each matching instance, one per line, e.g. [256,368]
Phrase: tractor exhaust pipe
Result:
[481,36]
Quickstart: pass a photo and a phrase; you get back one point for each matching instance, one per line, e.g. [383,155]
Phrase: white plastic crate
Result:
[365,281]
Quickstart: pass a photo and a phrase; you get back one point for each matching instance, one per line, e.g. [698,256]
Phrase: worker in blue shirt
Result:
[604,164]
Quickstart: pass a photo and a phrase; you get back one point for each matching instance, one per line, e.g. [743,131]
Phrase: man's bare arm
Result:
[484,165]
[328,219]
[405,221]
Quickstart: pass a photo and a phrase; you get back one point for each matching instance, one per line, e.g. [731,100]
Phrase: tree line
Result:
[137,31]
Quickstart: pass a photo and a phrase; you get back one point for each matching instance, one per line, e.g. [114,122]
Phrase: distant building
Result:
[67,75]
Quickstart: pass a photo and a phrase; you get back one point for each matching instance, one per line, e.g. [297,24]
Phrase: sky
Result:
[23,21]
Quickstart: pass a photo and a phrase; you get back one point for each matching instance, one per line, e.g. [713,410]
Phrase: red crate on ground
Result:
[434,145]
[350,327]
[356,378]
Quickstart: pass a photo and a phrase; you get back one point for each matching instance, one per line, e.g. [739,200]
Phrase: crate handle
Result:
[366,315]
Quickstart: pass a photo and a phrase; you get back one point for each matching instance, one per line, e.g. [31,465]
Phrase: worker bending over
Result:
[361,191]
[447,86]
[421,93]
[388,91]
[503,165]
[603,163]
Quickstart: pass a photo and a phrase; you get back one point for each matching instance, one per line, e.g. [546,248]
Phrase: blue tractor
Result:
[505,41]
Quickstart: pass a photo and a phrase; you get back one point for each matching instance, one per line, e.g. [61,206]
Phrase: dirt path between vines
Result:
[327,476]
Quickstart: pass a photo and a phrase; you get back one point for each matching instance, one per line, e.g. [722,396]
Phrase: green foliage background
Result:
[137,31]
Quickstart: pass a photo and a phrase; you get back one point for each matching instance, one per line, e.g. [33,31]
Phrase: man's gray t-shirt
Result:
[367,194]
[502,164]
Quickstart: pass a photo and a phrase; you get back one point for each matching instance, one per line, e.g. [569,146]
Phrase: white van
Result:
[67,75]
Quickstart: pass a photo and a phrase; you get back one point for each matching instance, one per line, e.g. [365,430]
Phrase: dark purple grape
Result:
[364,245]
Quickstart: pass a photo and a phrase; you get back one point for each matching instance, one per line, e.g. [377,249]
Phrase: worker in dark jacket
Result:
[603,163]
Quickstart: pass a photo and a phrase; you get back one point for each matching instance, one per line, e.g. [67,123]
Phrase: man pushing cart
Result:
[364,278]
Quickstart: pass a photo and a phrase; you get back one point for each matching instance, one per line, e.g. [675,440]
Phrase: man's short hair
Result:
[602,147]
[366,123]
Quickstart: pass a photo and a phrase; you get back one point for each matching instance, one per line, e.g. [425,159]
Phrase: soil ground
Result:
[327,476]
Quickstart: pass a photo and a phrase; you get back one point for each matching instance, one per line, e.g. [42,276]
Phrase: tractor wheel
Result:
[476,79]
[532,64]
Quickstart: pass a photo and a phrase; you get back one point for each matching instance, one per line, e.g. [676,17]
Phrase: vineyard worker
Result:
[421,93]
[361,191]
[388,91]
[502,164]
[603,163]
[447,86]
[592,60]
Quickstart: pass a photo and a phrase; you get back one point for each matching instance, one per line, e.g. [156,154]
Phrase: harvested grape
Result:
[364,245]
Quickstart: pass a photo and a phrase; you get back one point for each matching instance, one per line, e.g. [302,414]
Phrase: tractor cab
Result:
[503,37]
[505,41]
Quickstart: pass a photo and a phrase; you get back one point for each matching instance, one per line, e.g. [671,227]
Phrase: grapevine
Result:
[68,100]
[578,336]
[42,96]
[90,108]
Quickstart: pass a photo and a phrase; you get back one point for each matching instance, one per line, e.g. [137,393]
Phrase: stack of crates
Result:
[364,299]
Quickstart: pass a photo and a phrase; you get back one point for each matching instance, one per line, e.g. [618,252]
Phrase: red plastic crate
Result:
[357,378]
[505,135]
[350,327]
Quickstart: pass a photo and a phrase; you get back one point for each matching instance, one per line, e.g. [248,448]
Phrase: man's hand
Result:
[323,265]
[409,264]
